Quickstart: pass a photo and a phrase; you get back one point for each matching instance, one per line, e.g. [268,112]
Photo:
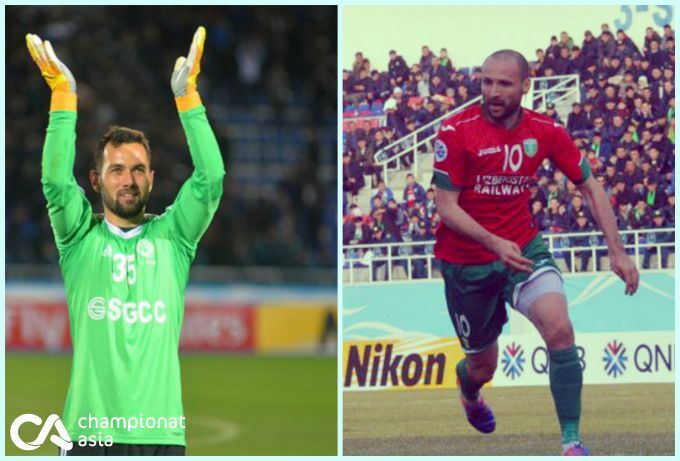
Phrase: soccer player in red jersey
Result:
[491,252]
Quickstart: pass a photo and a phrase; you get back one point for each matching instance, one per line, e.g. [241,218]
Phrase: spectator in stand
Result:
[631,173]
[462,96]
[352,176]
[422,234]
[590,113]
[437,86]
[577,123]
[623,213]
[590,48]
[413,192]
[654,197]
[614,133]
[578,61]
[358,64]
[438,69]
[658,222]
[669,210]
[563,64]
[553,49]
[360,87]
[422,86]
[430,205]
[475,85]
[426,61]
[356,232]
[366,131]
[566,40]
[379,143]
[395,214]
[640,216]
[397,68]
[576,207]
[552,113]
[629,47]
[445,60]
[394,118]
[384,192]
[380,85]
[650,34]
[364,155]
[583,223]
[538,215]
[607,47]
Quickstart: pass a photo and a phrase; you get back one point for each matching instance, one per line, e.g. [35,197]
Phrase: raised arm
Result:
[199,197]
[69,211]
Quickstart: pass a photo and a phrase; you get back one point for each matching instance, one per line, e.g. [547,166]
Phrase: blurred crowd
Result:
[122,58]
[624,124]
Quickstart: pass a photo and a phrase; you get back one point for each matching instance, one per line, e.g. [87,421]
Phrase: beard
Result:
[123,207]
[499,114]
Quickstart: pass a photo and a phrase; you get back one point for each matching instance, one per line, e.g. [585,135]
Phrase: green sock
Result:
[566,380]
[468,387]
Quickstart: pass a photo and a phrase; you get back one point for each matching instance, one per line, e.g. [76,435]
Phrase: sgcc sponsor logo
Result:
[131,312]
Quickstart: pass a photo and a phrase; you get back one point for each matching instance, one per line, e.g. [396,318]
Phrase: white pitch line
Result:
[224,431]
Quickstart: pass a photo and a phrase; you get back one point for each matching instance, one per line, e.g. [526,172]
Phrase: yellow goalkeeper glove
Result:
[55,73]
[183,80]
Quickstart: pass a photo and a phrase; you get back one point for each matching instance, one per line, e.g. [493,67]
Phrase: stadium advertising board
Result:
[37,319]
[606,358]
[399,336]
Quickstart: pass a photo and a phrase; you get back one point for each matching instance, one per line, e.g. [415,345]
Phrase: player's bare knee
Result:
[559,335]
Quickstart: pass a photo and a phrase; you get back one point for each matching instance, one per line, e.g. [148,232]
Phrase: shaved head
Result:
[521,61]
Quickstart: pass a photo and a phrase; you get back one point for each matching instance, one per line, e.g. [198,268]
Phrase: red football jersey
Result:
[494,167]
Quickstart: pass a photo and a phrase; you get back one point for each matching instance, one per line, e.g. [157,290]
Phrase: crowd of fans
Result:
[624,124]
[122,58]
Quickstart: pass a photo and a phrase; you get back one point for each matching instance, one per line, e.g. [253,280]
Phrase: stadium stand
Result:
[274,112]
[622,118]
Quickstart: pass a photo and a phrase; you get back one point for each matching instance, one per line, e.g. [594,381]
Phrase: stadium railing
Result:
[411,143]
[545,90]
[559,89]
[399,261]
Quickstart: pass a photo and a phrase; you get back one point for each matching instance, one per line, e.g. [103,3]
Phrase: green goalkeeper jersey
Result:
[125,292]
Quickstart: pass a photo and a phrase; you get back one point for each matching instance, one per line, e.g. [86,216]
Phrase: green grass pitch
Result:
[623,419]
[234,405]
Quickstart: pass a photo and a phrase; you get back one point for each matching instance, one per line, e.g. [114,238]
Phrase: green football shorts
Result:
[476,294]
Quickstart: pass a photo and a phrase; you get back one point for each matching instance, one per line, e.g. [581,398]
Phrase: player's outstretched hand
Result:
[511,254]
[624,267]
[183,80]
[55,73]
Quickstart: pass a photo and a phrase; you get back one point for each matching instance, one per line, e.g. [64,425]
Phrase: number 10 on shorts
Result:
[462,325]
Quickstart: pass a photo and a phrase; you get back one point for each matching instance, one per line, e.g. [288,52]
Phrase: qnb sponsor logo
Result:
[129,311]
[615,359]
[63,440]
[378,366]
[513,360]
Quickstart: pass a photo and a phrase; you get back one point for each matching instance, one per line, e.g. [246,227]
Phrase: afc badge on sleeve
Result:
[440,151]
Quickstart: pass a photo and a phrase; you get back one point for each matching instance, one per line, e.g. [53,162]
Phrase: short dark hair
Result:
[517,56]
[117,135]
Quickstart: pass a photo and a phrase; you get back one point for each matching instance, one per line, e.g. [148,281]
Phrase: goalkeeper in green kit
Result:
[125,272]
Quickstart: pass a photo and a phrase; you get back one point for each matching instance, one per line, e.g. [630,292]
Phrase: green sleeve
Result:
[69,211]
[199,197]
